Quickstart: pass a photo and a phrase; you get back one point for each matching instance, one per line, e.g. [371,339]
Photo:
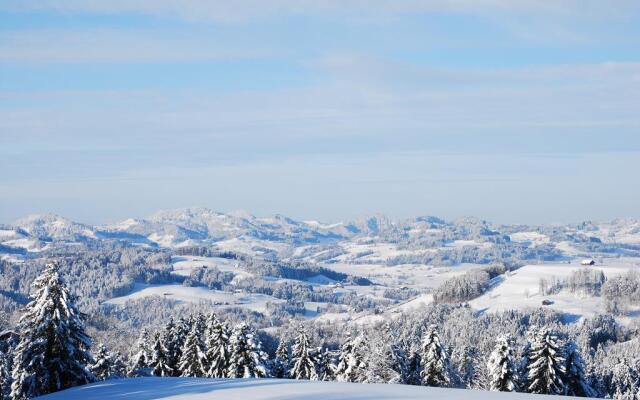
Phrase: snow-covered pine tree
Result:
[218,349]
[280,365]
[523,356]
[575,378]
[193,359]
[471,369]
[141,356]
[351,364]
[303,365]
[174,342]
[5,376]
[624,380]
[246,357]
[435,360]
[413,369]
[386,361]
[200,322]
[104,364]
[210,322]
[171,343]
[503,373]
[8,342]
[546,365]
[596,377]
[53,352]
[118,366]
[326,368]
[160,358]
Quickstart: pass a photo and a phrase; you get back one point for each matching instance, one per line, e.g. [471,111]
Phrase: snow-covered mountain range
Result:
[240,231]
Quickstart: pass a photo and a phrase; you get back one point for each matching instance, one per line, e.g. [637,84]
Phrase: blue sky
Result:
[514,111]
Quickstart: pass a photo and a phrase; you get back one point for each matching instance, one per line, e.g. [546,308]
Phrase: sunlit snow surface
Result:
[265,389]
[251,301]
[520,289]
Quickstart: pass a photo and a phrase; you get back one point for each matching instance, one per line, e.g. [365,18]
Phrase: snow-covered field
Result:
[520,289]
[367,249]
[183,265]
[418,276]
[533,238]
[251,301]
[266,389]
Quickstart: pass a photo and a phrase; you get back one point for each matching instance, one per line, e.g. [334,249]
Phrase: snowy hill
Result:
[520,289]
[190,225]
[54,227]
[266,389]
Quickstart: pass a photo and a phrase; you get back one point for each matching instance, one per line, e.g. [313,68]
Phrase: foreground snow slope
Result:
[264,389]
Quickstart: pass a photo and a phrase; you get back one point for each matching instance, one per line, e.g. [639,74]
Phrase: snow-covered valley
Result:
[404,261]
[367,300]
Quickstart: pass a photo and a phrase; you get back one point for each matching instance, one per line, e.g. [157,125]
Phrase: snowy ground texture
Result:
[265,389]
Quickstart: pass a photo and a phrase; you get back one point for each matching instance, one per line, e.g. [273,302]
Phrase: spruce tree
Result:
[118,366]
[5,376]
[624,380]
[281,361]
[471,369]
[386,361]
[8,342]
[171,344]
[351,364]
[160,358]
[575,377]
[435,360]
[200,323]
[503,373]
[207,323]
[53,352]
[218,349]
[546,365]
[141,356]
[175,342]
[193,359]
[303,365]
[103,366]
[246,357]
[326,367]
[414,369]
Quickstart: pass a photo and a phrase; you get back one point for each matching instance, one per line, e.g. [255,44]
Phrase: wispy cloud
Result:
[115,46]
[363,105]
[243,10]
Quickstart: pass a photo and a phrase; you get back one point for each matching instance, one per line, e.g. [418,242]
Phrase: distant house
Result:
[589,261]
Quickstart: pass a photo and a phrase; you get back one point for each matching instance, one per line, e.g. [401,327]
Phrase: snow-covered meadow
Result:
[520,289]
[267,389]
[250,301]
